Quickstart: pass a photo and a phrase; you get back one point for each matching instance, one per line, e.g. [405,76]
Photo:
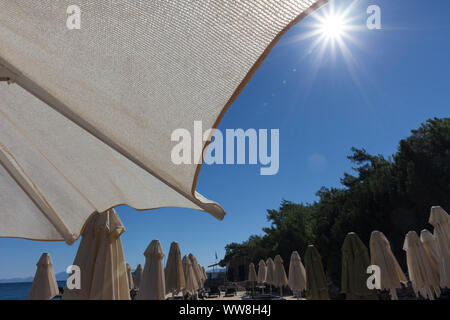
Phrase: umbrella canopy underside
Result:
[87,125]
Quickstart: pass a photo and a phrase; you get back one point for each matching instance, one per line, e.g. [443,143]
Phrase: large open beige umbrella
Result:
[153,284]
[391,275]
[440,219]
[130,277]
[270,272]
[279,274]
[174,270]
[86,125]
[196,270]
[297,274]
[44,286]
[138,276]
[101,260]
[422,269]
[316,282]
[191,283]
[355,260]
[262,272]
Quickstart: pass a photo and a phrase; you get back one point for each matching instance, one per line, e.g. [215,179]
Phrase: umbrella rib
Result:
[33,193]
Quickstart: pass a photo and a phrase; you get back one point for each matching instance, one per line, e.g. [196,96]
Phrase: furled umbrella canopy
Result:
[262,272]
[86,125]
[205,276]
[252,277]
[174,270]
[430,244]
[440,219]
[191,283]
[270,272]
[355,260]
[153,284]
[103,272]
[297,273]
[130,277]
[196,270]
[422,269]
[316,282]
[138,276]
[44,286]
[279,274]
[391,275]
[202,275]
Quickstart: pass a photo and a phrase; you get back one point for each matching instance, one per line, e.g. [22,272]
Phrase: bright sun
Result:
[332,27]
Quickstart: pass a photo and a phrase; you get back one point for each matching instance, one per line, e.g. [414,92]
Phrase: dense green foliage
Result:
[392,195]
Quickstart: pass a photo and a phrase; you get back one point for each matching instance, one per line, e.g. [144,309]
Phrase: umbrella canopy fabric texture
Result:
[270,271]
[297,273]
[130,277]
[197,271]
[101,261]
[316,282]
[174,270]
[153,284]
[138,276]
[262,272]
[423,271]
[279,276]
[85,124]
[391,275]
[44,286]
[191,283]
[355,260]
[252,277]
[440,219]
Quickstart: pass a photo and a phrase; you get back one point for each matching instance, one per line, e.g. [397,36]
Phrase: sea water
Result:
[18,290]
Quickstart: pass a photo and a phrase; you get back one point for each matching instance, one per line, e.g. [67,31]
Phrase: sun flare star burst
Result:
[332,26]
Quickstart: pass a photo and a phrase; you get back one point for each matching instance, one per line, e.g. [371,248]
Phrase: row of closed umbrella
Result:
[104,274]
[180,274]
[312,278]
[428,262]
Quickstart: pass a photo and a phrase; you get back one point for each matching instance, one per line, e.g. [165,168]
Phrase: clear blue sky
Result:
[397,78]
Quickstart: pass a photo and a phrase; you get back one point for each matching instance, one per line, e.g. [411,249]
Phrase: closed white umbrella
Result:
[422,270]
[297,274]
[391,276]
[105,141]
[252,277]
[262,272]
[440,219]
[103,272]
[279,276]
[174,270]
[270,273]
[130,278]
[196,270]
[138,276]
[205,276]
[191,283]
[153,284]
[44,286]
[430,244]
